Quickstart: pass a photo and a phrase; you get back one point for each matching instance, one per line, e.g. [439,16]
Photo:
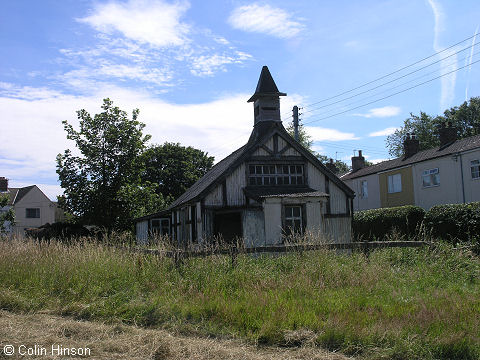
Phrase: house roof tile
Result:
[470,143]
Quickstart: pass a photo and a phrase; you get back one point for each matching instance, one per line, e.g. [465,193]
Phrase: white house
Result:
[261,192]
[448,174]
[31,206]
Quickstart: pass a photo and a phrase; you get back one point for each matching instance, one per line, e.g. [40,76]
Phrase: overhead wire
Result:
[391,95]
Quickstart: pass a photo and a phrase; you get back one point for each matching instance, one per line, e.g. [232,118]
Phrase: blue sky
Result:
[190,67]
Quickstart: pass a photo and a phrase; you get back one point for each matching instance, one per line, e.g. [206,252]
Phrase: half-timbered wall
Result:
[235,184]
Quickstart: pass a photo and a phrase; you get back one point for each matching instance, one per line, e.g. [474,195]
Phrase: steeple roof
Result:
[266,86]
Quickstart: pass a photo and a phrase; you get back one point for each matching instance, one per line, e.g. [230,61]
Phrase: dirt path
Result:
[127,342]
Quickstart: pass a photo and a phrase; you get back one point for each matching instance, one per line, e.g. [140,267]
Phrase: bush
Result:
[454,222]
[377,223]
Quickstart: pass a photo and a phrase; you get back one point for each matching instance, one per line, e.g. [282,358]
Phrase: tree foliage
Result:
[7,216]
[306,141]
[174,167]
[102,184]
[466,118]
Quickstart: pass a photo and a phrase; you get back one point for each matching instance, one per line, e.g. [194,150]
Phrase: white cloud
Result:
[386,111]
[325,134]
[447,81]
[384,132]
[376,161]
[153,22]
[264,19]
[208,65]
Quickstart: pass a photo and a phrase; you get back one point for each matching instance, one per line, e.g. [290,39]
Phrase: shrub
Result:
[377,223]
[454,222]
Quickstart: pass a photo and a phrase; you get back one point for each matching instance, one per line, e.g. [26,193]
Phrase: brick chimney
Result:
[331,166]
[411,145]
[447,134]
[358,162]
[3,184]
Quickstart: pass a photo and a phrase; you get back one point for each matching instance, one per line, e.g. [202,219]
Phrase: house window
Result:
[475,169]
[276,175]
[161,226]
[395,183]
[364,189]
[431,178]
[294,220]
[32,213]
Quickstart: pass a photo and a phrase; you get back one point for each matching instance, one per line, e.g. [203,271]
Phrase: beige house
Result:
[31,206]
[267,189]
[448,174]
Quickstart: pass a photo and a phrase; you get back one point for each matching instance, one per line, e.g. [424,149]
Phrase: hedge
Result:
[454,222]
[376,223]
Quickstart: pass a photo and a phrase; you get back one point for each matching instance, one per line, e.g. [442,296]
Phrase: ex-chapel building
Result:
[261,192]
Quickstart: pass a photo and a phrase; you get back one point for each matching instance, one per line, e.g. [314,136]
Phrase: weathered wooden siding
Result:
[142,232]
[260,152]
[338,200]
[215,197]
[281,143]
[235,183]
[273,221]
[253,227]
[199,221]
[314,217]
[291,152]
[316,180]
[269,143]
[338,230]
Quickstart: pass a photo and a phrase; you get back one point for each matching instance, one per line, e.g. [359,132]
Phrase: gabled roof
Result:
[470,143]
[16,194]
[266,86]
[206,180]
[224,167]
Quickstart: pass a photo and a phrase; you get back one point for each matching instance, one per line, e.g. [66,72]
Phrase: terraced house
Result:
[265,190]
[447,174]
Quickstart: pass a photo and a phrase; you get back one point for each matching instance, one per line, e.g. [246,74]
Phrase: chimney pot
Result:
[3,184]
[331,166]
[447,134]
[358,162]
[411,145]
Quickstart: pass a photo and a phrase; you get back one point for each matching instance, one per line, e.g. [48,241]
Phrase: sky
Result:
[190,67]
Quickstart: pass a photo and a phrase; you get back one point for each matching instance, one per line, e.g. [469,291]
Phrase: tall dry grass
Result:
[393,303]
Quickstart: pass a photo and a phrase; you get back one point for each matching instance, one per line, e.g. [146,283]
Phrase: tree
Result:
[174,168]
[466,118]
[102,184]
[306,141]
[7,216]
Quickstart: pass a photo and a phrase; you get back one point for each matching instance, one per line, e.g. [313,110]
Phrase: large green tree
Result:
[466,118]
[102,178]
[306,141]
[7,215]
[174,167]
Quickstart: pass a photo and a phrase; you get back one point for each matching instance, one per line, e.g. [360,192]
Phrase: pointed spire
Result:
[266,86]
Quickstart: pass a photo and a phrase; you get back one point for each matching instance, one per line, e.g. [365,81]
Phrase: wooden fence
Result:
[233,250]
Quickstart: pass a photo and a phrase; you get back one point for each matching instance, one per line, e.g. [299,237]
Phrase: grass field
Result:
[393,304]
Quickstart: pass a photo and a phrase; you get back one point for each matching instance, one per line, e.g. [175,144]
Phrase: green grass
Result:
[393,304]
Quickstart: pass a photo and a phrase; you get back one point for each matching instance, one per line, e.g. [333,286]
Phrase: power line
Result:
[391,81]
[393,72]
[394,87]
[389,96]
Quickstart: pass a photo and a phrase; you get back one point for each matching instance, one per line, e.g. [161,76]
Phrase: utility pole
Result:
[295,122]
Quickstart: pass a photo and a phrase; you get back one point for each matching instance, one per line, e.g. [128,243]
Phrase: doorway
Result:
[228,226]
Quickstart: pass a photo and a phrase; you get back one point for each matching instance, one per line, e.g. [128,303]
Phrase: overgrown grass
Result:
[395,303]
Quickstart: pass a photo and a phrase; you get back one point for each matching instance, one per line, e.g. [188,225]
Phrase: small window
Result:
[475,169]
[32,213]
[293,220]
[431,178]
[395,183]
[364,189]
